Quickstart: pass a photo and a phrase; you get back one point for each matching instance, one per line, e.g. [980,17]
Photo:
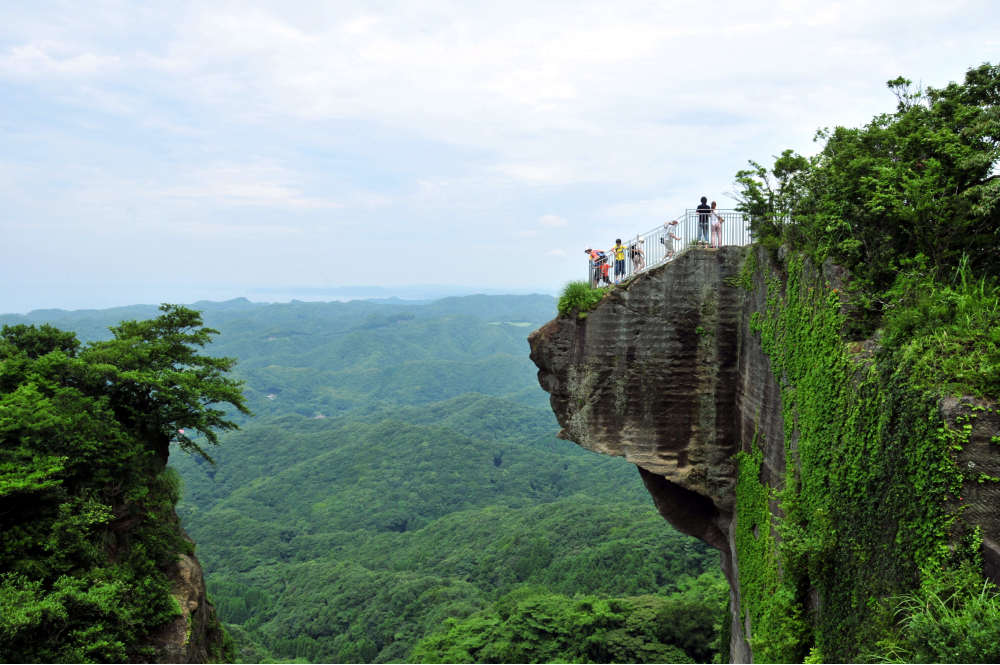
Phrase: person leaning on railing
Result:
[638,256]
[601,267]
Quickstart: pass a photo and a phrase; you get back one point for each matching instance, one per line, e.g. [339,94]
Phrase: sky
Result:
[182,151]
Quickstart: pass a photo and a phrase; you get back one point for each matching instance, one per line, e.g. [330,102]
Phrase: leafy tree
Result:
[86,503]
[920,181]
[532,625]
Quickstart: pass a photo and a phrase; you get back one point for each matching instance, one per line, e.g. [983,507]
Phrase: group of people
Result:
[708,214]
[708,217]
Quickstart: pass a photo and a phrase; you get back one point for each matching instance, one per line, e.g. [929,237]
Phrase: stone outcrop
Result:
[654,374]
[666,372]
[196,636]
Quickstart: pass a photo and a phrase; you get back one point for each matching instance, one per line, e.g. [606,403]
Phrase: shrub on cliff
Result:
[954,617]
[86,503]
[578,296]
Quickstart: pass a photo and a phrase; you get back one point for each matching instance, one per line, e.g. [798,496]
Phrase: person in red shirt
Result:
[601,266]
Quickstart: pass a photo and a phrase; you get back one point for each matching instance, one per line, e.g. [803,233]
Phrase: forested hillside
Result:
[402,471]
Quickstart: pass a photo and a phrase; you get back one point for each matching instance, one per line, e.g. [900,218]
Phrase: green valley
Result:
[401,478]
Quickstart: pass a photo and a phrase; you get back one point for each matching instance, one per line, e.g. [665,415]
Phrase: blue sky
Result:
[184,151]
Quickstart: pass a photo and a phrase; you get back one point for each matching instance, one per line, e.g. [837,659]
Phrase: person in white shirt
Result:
[669,238]
[716,227]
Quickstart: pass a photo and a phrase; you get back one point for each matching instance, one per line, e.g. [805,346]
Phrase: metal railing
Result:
[667,242]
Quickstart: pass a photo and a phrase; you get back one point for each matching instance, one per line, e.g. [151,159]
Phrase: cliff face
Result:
[654,373]
[670,371]
[196,636]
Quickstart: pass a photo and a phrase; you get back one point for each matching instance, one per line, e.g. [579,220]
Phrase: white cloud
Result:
[557,253]
[247,185]
[453,122]
[553,220]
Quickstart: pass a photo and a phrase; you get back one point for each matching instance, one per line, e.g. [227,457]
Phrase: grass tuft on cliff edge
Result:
[578,296]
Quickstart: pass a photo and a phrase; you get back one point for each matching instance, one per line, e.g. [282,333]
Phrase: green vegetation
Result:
[952,618]
[578,296]
[532,625]
[86,503]
[948,329]
[918,182]
[869,514]
[908,204]
[353,536]
[403,471]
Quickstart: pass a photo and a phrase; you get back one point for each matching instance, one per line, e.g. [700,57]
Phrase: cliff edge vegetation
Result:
[889,375]
[93,565]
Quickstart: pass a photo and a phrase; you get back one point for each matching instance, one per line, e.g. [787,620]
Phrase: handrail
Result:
[667,242]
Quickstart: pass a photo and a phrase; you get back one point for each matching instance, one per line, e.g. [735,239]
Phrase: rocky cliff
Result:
[196,635]
[676,371]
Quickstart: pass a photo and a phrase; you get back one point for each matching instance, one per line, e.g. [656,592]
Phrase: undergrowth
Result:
[949,330]
[865,509]
[954,617]
[580,297]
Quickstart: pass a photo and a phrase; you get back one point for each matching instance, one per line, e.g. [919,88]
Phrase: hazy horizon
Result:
[270,296]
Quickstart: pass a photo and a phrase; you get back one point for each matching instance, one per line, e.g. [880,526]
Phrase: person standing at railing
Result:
[716,227]
[704,211]
[638,256]
[619,252]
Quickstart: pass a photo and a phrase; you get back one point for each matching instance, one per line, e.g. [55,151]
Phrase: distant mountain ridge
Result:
[91,324]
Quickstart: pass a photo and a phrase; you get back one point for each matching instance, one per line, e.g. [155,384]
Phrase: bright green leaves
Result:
[954,617]
[30,475]
[159,384]
[921,180]
[771,196]
[36,342]
[531,625]
[865,506]
[77,620]
[947,329]
[86,506]
[578,296]
[755,549]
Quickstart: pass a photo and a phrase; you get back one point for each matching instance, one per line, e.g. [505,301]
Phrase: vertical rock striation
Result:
[654,374]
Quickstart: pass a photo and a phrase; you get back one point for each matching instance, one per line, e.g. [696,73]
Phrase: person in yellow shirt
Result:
[619,251]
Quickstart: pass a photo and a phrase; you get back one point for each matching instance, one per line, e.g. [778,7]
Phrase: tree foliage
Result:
[432,485]
[919,181]
[532,625]
[86,503]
